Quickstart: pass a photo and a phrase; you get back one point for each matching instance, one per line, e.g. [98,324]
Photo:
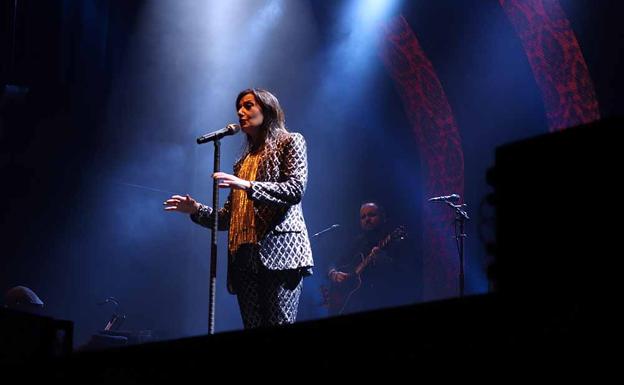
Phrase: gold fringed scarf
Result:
[242,220]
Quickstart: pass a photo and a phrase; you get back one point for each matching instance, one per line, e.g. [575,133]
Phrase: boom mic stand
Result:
[460,221]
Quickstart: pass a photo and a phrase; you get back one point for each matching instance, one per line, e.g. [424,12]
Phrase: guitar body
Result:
[341,294]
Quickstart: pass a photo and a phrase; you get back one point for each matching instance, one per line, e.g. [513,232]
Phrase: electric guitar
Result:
[338,295]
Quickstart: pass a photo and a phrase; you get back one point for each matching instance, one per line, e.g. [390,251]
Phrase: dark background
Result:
[117,92]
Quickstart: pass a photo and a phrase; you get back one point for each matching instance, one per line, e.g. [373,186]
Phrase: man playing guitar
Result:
[367,277]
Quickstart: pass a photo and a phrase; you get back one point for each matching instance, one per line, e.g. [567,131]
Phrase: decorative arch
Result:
[439,143]
[556,60]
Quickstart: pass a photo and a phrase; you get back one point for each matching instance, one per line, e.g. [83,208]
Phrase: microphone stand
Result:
[213,239]
[460,219]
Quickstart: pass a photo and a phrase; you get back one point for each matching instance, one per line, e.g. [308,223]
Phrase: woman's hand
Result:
[231,181]
[183,204]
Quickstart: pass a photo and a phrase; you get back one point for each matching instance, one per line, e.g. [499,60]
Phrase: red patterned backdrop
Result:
[439,144]
[556,60]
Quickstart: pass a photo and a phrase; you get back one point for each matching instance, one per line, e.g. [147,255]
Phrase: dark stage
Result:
[515,106]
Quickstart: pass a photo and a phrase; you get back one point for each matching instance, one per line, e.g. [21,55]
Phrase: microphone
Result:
[326,230]
[230,129]
[452,197]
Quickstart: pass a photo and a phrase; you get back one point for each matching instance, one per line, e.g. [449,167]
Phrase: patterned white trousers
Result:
[265,297]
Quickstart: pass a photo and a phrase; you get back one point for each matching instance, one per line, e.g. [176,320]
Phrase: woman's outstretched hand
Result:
[183,204]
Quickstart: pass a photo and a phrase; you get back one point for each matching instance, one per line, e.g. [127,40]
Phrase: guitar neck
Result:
[367,260]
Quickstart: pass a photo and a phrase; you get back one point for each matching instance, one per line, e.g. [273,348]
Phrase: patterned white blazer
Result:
[276,194]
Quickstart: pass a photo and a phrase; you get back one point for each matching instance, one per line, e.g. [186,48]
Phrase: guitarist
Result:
[380,279]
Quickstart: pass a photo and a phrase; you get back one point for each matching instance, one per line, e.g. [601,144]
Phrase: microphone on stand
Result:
[445,198]
[230,129]
[326,230]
